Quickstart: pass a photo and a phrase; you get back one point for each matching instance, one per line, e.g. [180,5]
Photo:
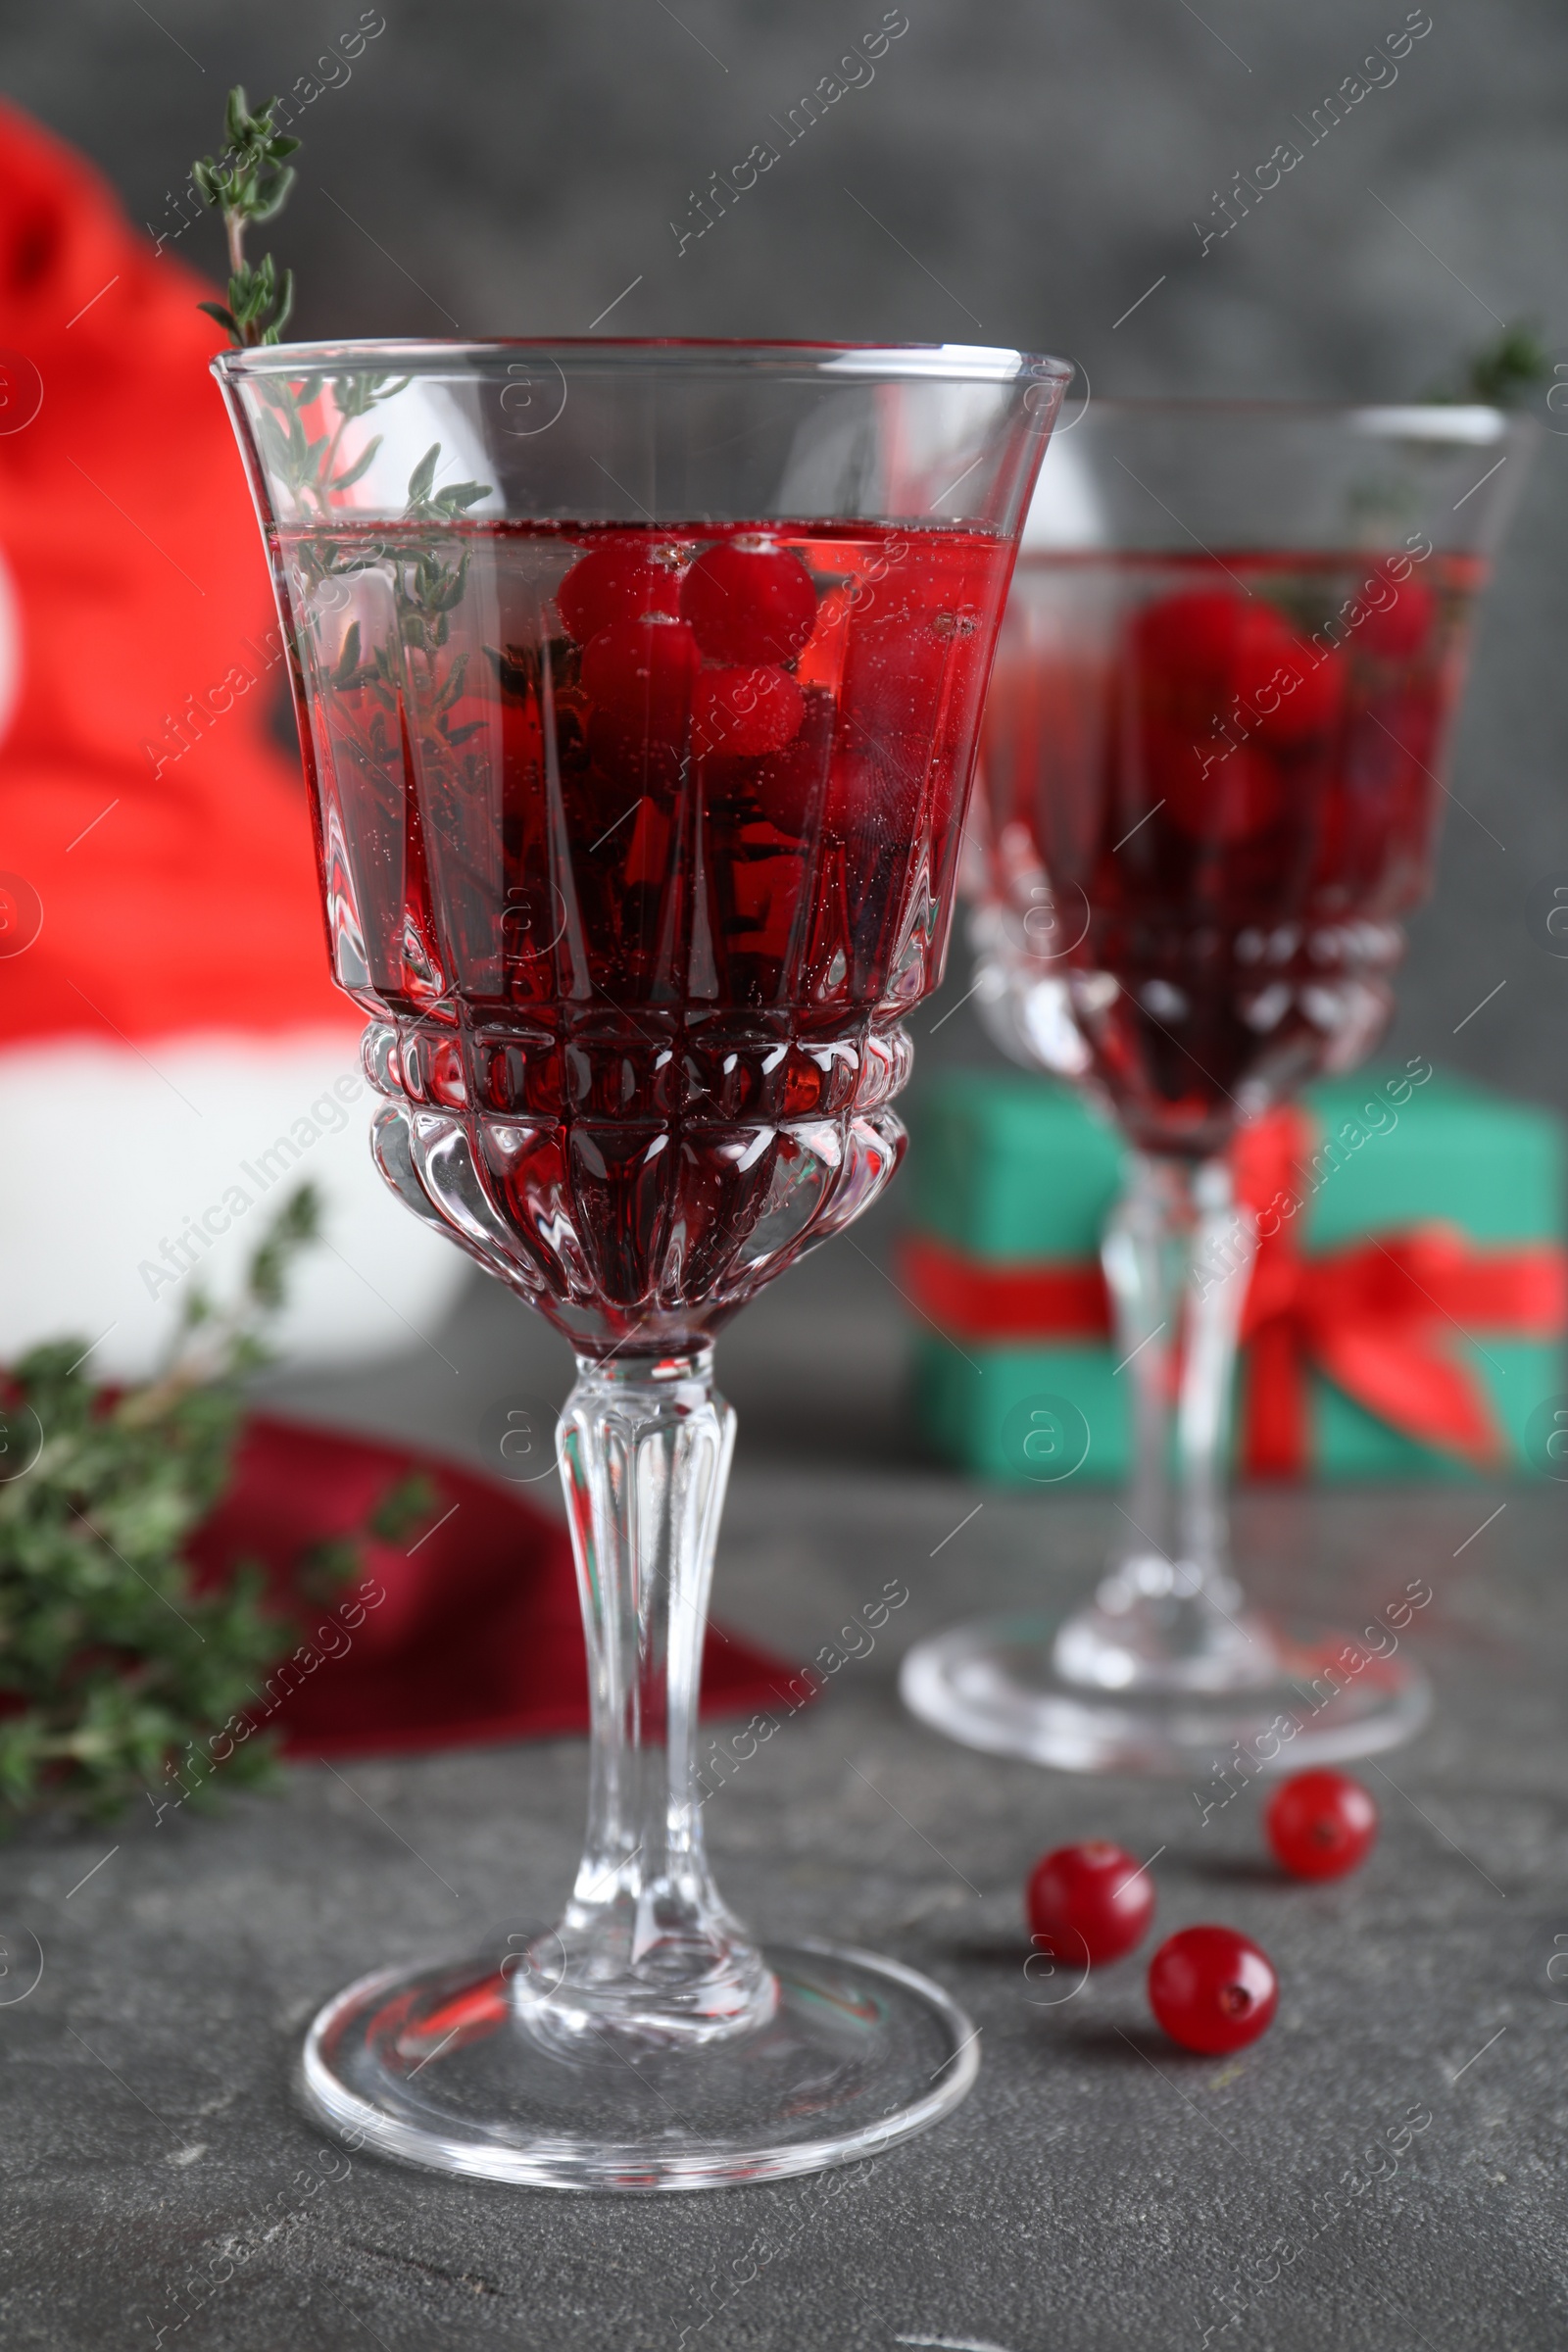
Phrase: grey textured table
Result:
[1098,2189]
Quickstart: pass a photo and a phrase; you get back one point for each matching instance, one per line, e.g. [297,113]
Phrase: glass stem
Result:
[1221,1243]
[1178,1254]
[646,1956]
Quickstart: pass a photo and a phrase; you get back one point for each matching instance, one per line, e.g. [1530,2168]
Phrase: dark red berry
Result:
[613,584]
[637,675]
[1225,686]
[1090,1902]
[1215,792]
[1320,1825]
[743,714]
[1288,690]
[1187,642]
[790,785]
[750,603]
[1397,626]
[1212,1990]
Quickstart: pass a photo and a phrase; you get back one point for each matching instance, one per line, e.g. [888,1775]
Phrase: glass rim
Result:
[1468,421]
[950,363]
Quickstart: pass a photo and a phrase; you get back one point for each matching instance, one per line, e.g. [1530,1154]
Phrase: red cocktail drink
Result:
[642,838]
[1232,762]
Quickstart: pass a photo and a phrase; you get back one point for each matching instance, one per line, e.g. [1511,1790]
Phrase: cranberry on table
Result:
[1321,1824]
[1212,1990]
[1090,1902]
[750,603]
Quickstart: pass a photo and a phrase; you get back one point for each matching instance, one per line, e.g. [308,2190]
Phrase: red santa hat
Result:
[174,1056]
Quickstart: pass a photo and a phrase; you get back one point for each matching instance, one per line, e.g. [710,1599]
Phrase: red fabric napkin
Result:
[470,1634]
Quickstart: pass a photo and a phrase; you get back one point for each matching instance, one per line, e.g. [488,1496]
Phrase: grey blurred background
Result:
[1017,173]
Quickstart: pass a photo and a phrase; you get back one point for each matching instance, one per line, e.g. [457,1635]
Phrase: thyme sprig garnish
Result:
[308,466]
[1507,371]
[250,182]
[1505,374]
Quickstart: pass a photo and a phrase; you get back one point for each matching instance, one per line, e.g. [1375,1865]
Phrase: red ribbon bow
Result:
[1384,1318]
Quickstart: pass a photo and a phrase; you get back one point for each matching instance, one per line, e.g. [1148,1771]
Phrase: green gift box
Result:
[1413,1252]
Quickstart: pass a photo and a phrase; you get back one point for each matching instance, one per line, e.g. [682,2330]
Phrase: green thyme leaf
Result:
[460,497]
[348,667]
[298,1222]
[423,474]
[402,1507]
[352,473]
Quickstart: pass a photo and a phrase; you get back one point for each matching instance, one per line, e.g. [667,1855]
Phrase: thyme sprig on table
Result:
[112,1663]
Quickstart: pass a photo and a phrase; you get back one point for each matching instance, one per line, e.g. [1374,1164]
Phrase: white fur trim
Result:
[111,1153]
[1066,509]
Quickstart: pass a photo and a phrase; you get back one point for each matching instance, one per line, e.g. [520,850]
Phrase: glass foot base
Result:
[991,1684]
[431,2066]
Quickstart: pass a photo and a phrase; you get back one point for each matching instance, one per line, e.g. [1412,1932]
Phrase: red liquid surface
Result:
[1213,788]
[639,840]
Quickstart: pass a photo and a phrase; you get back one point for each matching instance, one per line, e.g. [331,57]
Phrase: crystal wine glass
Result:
[1212,768]
[638,686]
